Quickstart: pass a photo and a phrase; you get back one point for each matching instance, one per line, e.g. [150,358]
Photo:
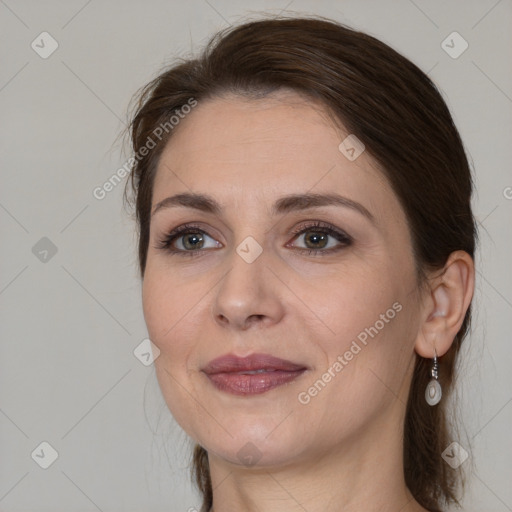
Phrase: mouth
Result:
[255,374]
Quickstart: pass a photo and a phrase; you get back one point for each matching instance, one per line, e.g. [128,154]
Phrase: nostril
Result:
[222,318]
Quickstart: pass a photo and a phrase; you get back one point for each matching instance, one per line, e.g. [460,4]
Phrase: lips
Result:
[253,363]
[254,374]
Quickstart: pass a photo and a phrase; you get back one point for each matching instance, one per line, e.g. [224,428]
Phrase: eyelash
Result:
[316,226]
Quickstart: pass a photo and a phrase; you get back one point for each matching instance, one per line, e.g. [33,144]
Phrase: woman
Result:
[306,248]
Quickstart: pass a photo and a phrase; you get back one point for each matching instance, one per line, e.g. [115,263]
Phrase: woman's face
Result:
[264,275]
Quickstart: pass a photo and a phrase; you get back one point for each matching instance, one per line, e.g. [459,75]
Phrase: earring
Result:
[433,393]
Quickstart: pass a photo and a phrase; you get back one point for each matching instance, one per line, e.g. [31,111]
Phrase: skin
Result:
[342,451]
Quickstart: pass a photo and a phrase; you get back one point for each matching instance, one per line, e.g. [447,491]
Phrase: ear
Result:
[445,307]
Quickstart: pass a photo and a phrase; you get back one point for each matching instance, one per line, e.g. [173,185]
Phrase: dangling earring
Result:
[433,393]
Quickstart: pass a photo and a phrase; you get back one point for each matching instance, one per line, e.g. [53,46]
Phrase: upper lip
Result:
[231,363]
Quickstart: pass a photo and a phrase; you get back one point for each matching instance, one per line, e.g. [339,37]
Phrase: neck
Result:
[361,473]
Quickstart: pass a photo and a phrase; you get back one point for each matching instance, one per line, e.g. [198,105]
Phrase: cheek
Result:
[156,305]
[350,301]
[366,374]
[165,312]
[168,304]
[369,315]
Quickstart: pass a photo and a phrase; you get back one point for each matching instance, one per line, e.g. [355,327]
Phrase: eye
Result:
[322,238]
[187,239]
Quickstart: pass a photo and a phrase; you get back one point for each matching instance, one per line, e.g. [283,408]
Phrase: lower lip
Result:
[253,384]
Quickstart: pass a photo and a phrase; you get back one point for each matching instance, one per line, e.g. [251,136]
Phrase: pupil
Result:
[315,237]
[197,241]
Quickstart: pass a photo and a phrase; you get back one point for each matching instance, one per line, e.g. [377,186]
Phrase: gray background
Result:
[70,321]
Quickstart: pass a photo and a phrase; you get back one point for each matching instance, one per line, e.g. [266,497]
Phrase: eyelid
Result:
[327,226]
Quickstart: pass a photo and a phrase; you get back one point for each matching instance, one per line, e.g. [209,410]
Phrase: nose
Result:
[248,296]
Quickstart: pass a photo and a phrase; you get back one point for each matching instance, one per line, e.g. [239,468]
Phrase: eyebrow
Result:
[286,204]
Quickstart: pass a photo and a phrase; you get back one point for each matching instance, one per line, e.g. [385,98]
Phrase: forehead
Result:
[241,149]
[279,127]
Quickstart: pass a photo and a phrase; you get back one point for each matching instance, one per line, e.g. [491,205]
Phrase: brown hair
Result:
[400,116]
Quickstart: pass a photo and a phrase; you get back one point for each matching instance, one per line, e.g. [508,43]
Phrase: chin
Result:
[256,451]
